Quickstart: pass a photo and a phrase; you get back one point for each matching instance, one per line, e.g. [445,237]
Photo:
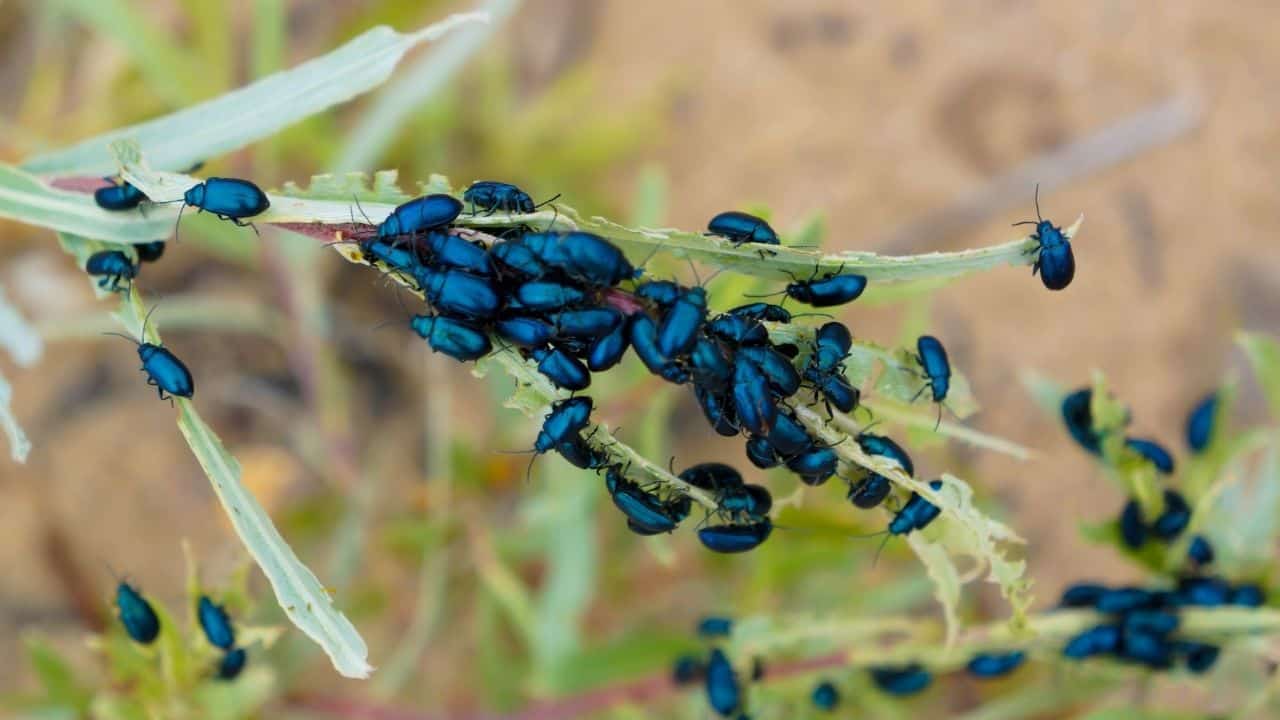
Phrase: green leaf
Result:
[378,125]
[1264,355]
[297,590]
[256,111]
[19,445]
[25,199]
[946,581]
[55,675]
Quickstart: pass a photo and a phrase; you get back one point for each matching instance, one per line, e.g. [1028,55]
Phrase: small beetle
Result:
[1054,260]
[136,614]
[215,623]
[113,266]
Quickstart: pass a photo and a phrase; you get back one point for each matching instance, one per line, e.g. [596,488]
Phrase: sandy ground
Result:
[876,113]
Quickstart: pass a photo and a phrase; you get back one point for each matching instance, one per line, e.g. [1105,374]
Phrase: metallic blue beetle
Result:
[228,198]
[122,196]
[740,227]
[232,663]
[735,538]
[111,266]
[454,338]
[492,196]
[1054,260]
[428,212]
[136,614]
[901,680]
[215,623]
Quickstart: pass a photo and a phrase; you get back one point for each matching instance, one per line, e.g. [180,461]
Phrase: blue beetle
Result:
[215,623]
[713,476]
[679,327]
[164,370]
[1199,430]
[1175,517]
[421,214]
[456,252]
[1200,552]
[782,376]
[232,663]
[562,423]
[392,254]
[1248,596]
[116,197]
[756,409]
[227,198]
[591,322]
[582,256]
[885,447]
[713,626]
[525,331]
[738,330]
[545,296]
[149,251]
[1156,622]
[454,338]
[644,338]
[723,691]
[518,259]
[1081,595]
[1097,640]
[870,491]
[578,452]
[136,614]
[646,513]
[1133,527]
[748,503]
[788,437]
[762,311]
[1078,417]
[901,679]
[830,290]
[916,513]
[932,357]
[659,292]
[1153,452]
[1203,591]
[735,538]
[761,452]
[1054,260]
[492,196]
[1199,657]
[831,345]
[740,227]
[562,369]
[112,266]
[687,669]
[989,665]
[1126,599]
[825,696]
[1148,649]
[814,466]
[457,293]
[608,349]
[718,409]
[711,364]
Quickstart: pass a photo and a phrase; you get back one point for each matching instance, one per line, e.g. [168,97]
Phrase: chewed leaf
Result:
[26,199]
[946,581]
[258,110]
[298,591]
[17,336]
[344,187]
[969,531]
[925,420]
[19,445]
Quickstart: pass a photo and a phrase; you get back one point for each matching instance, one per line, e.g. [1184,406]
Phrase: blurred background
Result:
[905,127]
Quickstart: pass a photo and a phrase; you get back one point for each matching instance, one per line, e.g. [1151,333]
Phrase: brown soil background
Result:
[876,113]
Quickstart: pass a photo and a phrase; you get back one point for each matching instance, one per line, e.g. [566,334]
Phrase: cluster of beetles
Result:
[572,304]
[143,626]
[1137,625]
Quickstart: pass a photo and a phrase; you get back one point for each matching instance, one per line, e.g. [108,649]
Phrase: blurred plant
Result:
[544,619]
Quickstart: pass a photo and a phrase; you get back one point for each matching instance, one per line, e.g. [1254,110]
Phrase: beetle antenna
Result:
[1038,217]
[122,335]
[880,549]
[548,201]
[178,224]
[362,213]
